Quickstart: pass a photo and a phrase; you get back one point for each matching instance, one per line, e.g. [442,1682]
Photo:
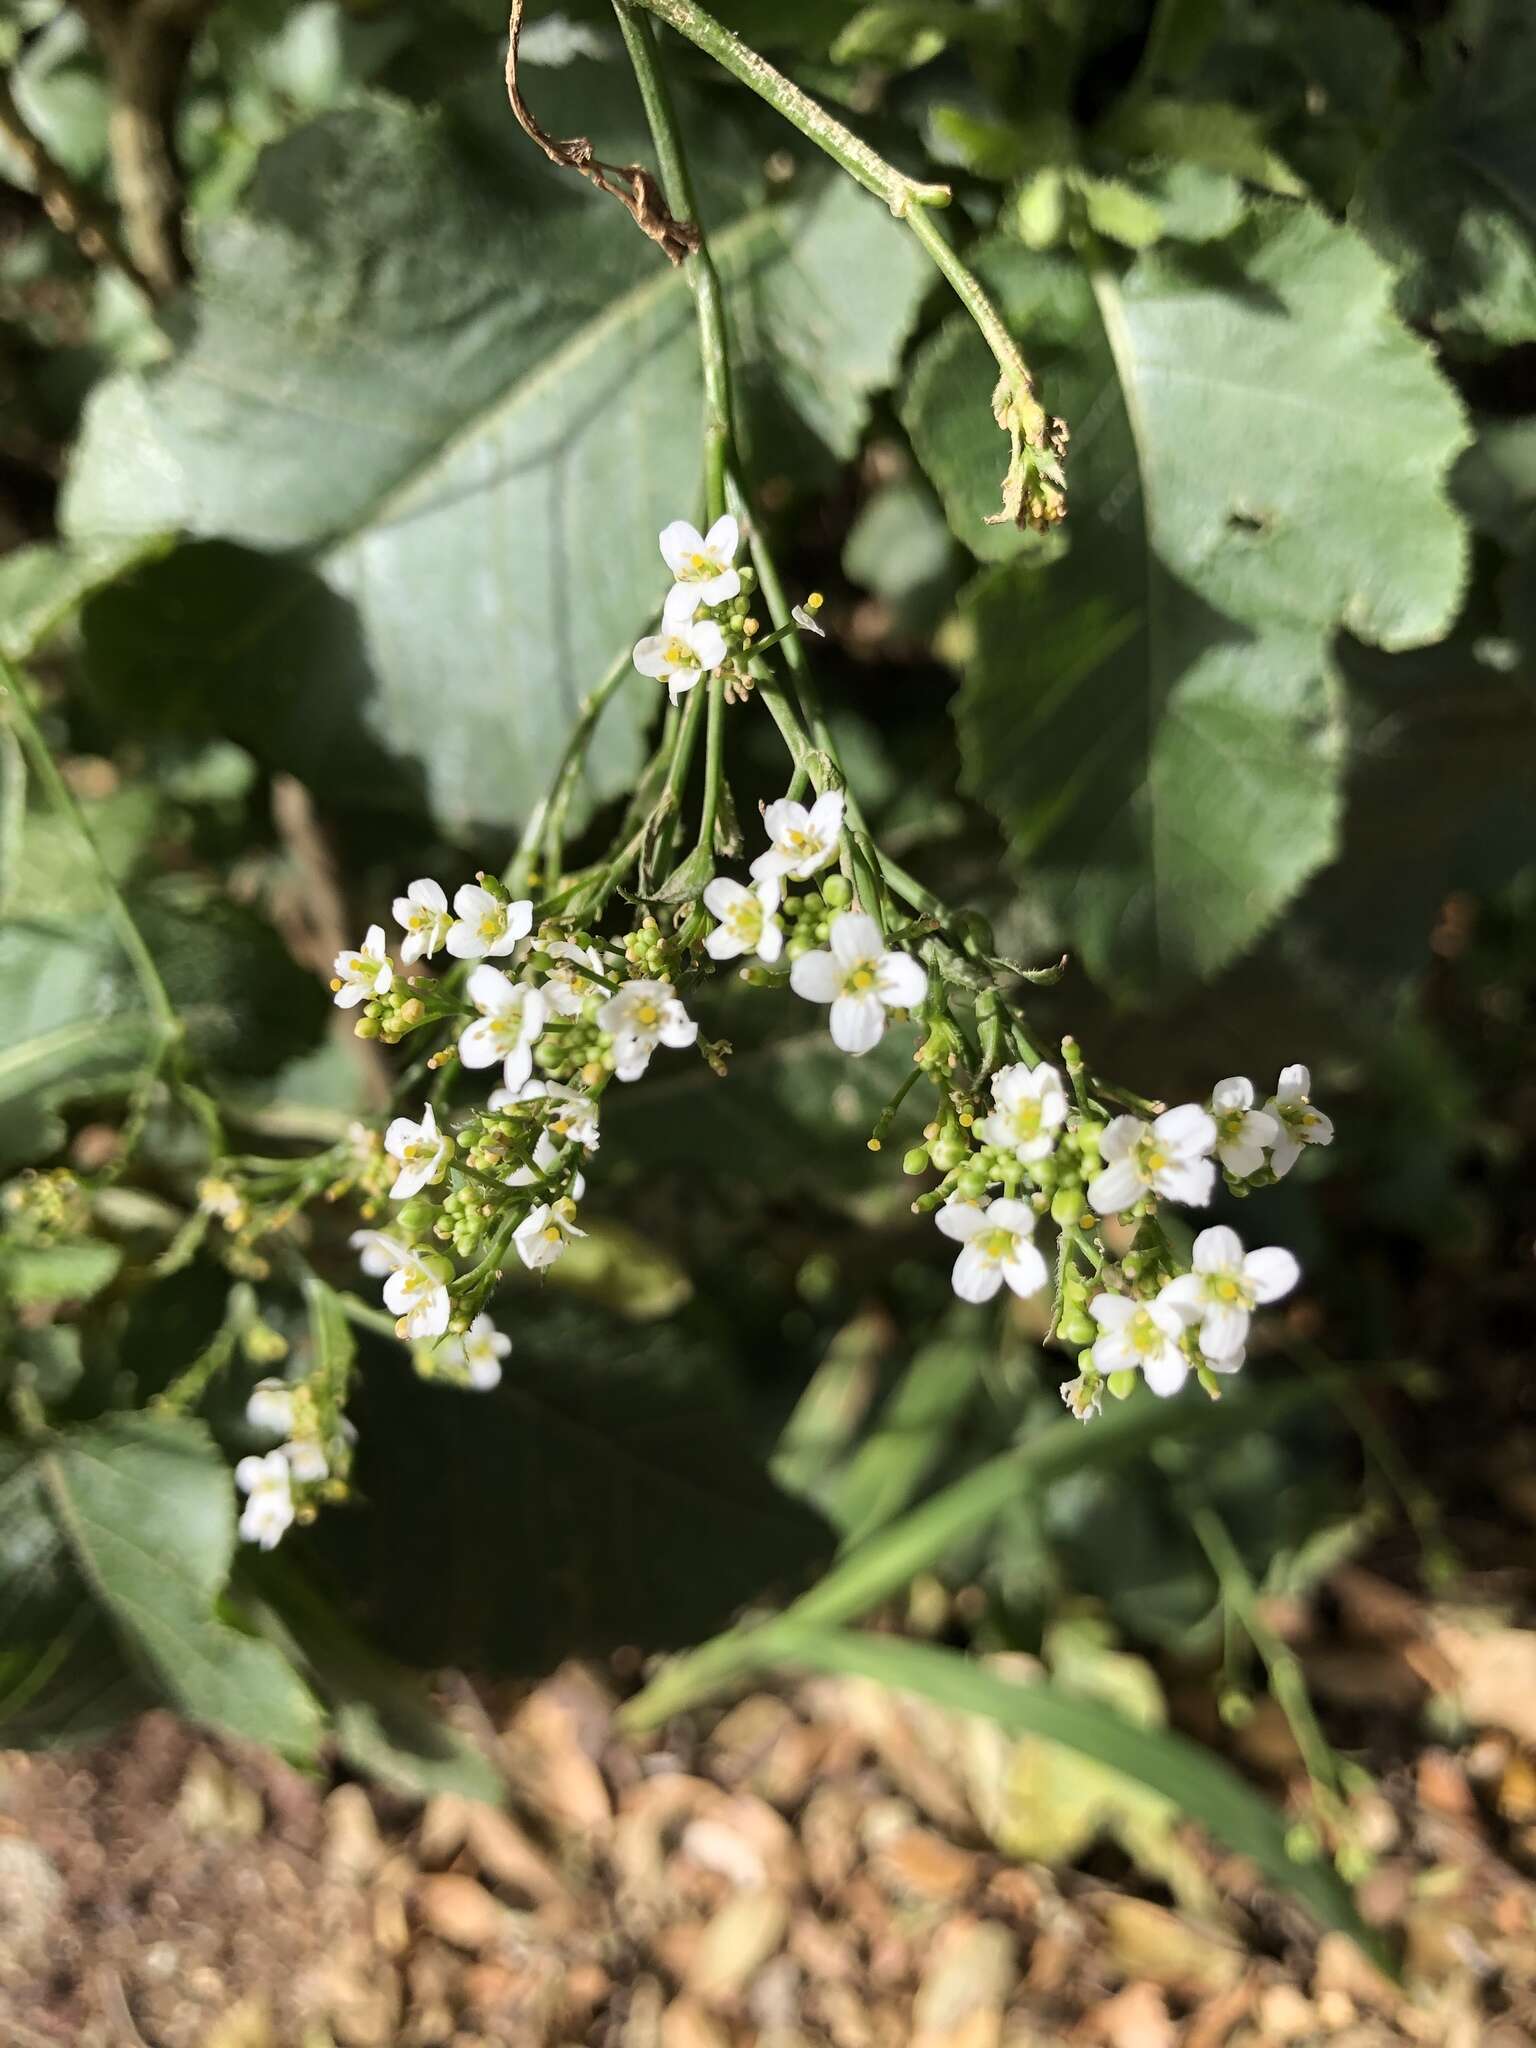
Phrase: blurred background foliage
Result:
[315,548]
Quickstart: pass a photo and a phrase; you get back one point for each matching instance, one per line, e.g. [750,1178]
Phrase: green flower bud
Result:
[836,892]
[1077,1328]
[915,1161]
[948,1150]
[1066,1205]
[1122,1383]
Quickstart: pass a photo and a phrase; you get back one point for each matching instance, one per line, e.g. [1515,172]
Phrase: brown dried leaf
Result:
[741,1937]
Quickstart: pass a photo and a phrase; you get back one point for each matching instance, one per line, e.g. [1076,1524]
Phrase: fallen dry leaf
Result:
[1494,1674]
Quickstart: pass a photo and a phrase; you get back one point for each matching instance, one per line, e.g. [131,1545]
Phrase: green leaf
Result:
[456,395]
[34,1276]
[1203,1787]
[1212,134]
[1260,458]
[143,1507]
[1452,198]
[43,586]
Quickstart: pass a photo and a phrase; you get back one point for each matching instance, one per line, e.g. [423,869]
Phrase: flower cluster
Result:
[286,1483]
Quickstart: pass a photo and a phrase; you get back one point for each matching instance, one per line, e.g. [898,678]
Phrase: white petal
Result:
[976,1278]
[854,938]
[784,816]
[1188,1129]
[1185,1296]
[1188,1181]
[1295,1084]
[961,1220]
[1284,1156]
[517,1066]
[1166,1370]
[1224,1330]
[817,977]
[901,981]
[1217,1250]
[720,589]
[650,656]
[1025,1270]
[679,543]
[471,901]
[678,1029]
[1115,1188]
[1120,1134]
[707,642]
[678,608]
[1270,1271]
[1318,1129]
[479,1044]
[722,539]
[1236,1092]
[464,941]
[400,1133]
[826,815]
[1018,1217]
[724,944]
[490,991]
[429,895]
[722,895]
[858,1022]
[770,943]
[1112,1311]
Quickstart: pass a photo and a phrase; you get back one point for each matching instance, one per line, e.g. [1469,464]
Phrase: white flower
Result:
[640,1016]
[747,920]
[270,1407]
[566,987]
[306,1460]
[546,1156]
[1300,1124]
[364,973]
[512,1014]
[1169,1156]
[805,619]
[417,1294]
[860,980]
[377,1252]
[1140,1336]
[1242,1132]
[679,655]
[479,1353]
[422,1150]
[998,1245]
[486,928]
[703,564]
[268,1509]
[801,841]
[1226,1286]
[1084,1395]
[574,1118]
[1029,1103]
[544,1234]
[423,911]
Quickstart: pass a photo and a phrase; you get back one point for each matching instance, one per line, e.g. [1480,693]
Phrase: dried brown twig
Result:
[72,211]
[631,184]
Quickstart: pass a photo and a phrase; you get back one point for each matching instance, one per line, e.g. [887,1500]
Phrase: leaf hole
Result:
[1250,525]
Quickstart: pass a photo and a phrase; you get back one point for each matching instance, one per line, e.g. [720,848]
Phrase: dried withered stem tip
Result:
[1034,489]
[631,184]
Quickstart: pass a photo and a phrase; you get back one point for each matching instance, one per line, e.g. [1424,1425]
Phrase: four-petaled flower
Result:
[1141,1336]
[362,974]
[1300,1124]
[748,923]
[640,1016]
[377,1252]
[423,911]
[544,1234]
[574,1116]
[998,1245]
[486,927]
[1029,1105]
[680,654]
[1227,1284]
[422,1150]
[417,1294]
[801,841]
[704,565]
[512,1015]
[860,979]
[268,1486]
[1170,1156]
[546,1157]
[1242,1132]
[566,987]
[270,1407]
[477,1354]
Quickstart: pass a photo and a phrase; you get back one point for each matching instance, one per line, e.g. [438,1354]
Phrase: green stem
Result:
[714,763]
[971,293]
[544,834]
[14,696]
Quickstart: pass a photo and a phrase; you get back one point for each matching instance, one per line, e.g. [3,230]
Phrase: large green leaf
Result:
[1202,1786]
[134,1516]
[1258,458]
[456,395]
[1452,198]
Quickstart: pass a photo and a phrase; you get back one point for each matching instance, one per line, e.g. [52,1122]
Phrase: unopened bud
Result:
[836,892]
[915,1161]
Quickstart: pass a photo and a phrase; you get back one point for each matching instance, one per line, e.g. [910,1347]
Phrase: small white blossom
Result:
[422,1150]
[512,1014]
[364,973]
[1227,1284]
[680,654]
[640,1016]
[1140,1336]
[485,927]
[1170,1156]
[1242,1132]
[574,1115]
[998,1246]
[1300,1124]
[270,1407]
[546,1156]
[860,979]
[477,1355]
[748,920]
[417,1294]
[704,565]
[268,1511]
[377,1252]
[1029,1105]
[544,1234]
[805,619]
[306,1459]
[566,987]
[1084,1395]
[801,841]
[423,911]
